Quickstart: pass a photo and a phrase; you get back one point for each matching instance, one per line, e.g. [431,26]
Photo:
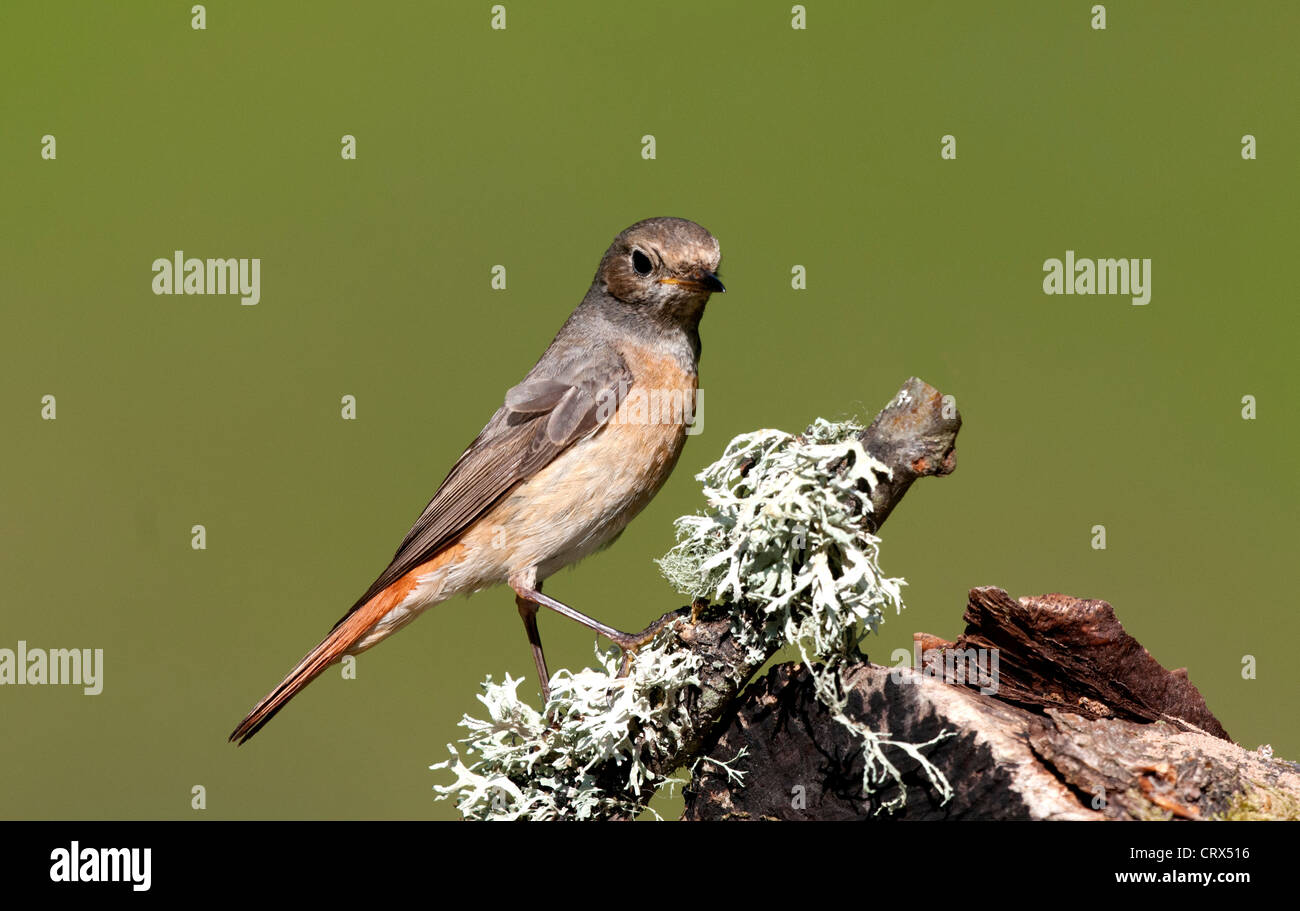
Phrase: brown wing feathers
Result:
[541,417]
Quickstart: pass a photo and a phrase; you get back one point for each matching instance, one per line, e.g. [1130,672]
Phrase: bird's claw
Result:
[631,643]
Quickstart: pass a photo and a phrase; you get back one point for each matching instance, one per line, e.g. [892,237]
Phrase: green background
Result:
[522,147]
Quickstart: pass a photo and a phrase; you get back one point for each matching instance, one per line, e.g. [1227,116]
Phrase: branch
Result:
[914,436]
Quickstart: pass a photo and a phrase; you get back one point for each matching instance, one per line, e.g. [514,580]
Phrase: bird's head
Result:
[668,265]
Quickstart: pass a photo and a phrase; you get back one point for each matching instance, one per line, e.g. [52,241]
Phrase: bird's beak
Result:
[701,281]
[709,281]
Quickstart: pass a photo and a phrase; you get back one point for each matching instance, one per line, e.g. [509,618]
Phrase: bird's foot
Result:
[631,643]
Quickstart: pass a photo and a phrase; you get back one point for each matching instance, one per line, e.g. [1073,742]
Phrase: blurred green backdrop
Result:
[522,147]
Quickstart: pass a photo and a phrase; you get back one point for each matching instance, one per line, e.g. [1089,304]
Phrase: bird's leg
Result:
[528,611]
[698,605]
[628,642]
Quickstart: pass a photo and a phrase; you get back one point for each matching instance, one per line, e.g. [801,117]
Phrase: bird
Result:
[575,451]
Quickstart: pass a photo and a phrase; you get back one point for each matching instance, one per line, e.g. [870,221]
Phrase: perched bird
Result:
[577,449]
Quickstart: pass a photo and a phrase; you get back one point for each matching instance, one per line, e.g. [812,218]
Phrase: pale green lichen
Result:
[531,766]
[784,533]
[1258,801]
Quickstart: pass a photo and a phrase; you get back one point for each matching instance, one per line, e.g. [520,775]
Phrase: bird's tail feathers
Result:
[331,649]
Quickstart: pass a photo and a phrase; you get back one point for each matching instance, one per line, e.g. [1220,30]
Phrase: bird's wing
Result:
[562,399]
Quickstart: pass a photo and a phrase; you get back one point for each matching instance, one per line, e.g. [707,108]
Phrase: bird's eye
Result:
[641,263]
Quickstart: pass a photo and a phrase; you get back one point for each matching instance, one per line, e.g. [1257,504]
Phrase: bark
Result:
[1078,722]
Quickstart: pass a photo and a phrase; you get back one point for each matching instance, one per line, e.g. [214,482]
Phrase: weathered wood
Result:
[1085,724]
[1056,651]
[800,764]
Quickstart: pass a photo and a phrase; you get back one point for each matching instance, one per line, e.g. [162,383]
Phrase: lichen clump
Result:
[785,531]
[535,766]
[1258,801]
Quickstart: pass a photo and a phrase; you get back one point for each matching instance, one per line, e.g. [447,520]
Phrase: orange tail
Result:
[346,634]
[349,631]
